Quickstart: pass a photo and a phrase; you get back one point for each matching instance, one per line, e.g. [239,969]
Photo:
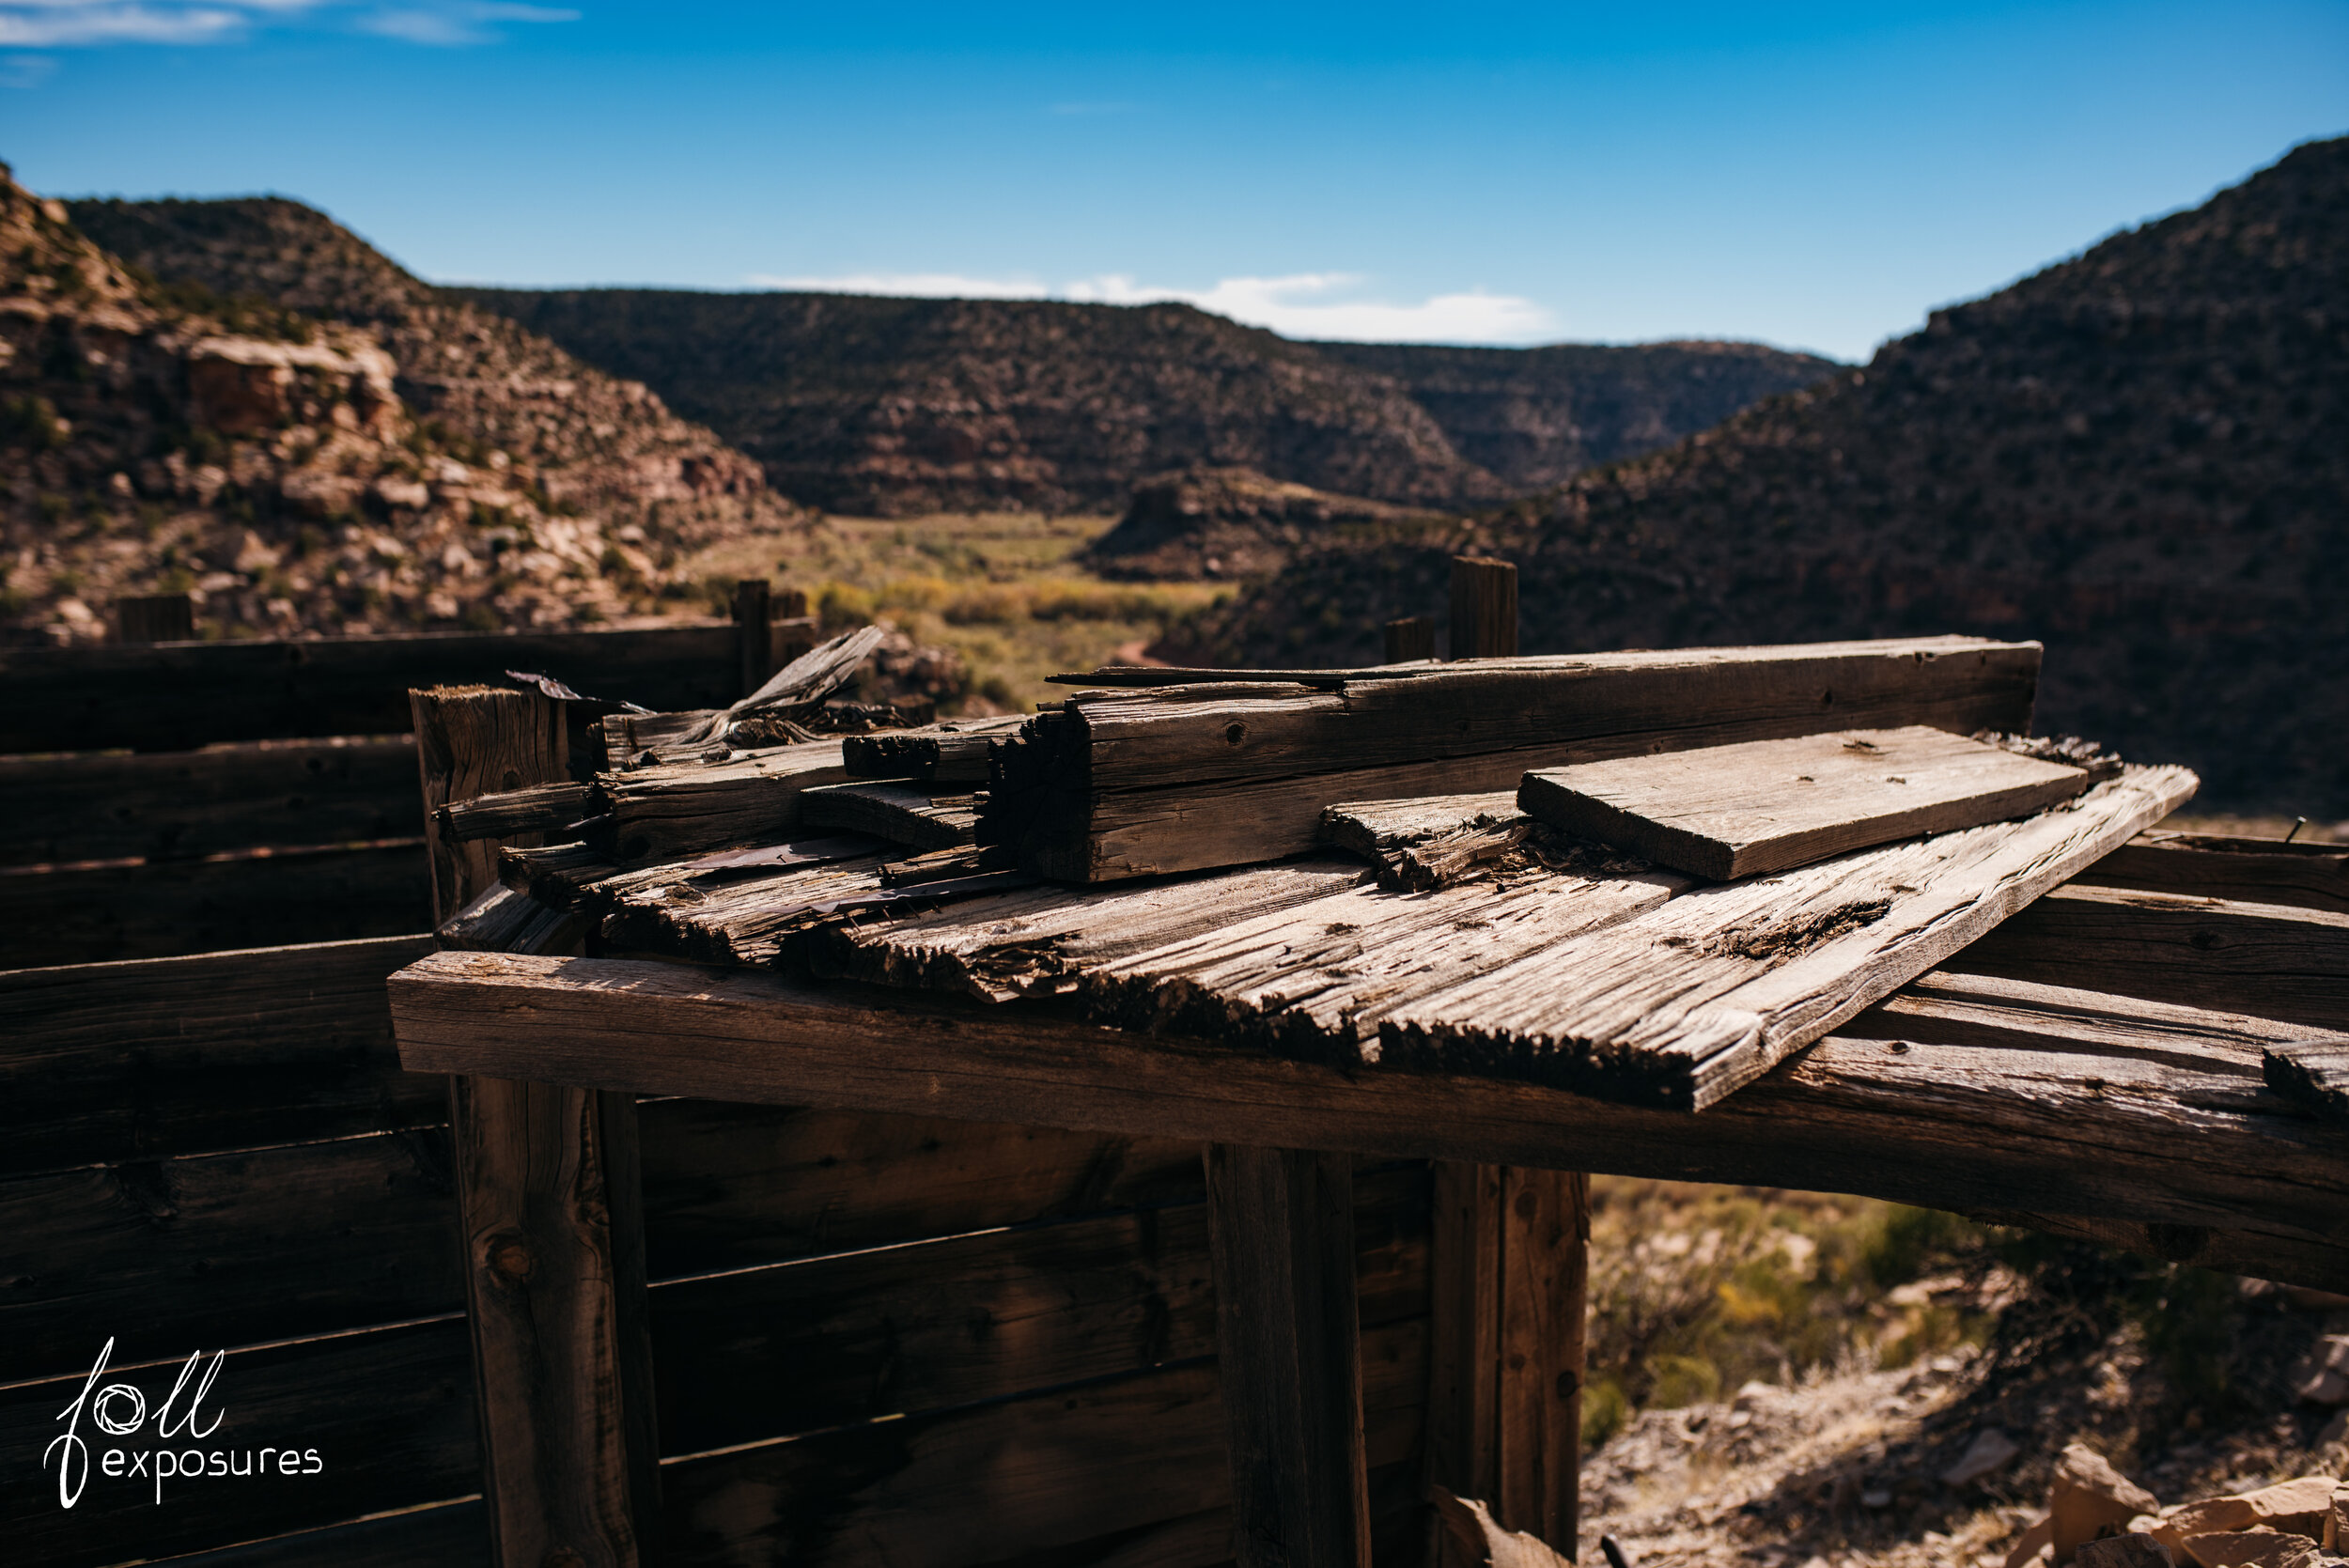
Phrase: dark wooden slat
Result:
[899,811]
[1280,1231]
[2061,1102]
[389,1410]
[1410,640]
[231,1247]
[185,694]
[2252,870]
[1484,608]
[155,618]
[760,1352]
[160,909]
[83,807]
[1726,811]
[540,809]
[450,1535]
[2269,960]
[1011,1480]
[733,1185]
[157,1057]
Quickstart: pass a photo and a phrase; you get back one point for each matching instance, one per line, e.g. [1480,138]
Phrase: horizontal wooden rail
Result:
[175,696]
[109,806]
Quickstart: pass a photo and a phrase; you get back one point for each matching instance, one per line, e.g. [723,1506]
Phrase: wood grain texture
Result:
[1280,1231]
[1964,1092]
[447,1535]
[103,1064]
[165,908]
[178,804]
[2248,870]
[2274,960]
[2314,1072]
[477,740]
[1410,640]
[1747,810]
[155,618]
[901,811]
[950,753]
[1155,780]
[1484,608]
[537,809]
[1684,1004]
[678,808]
[183,695]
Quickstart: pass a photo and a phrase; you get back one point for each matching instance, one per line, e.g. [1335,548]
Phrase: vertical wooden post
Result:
[755,632]
[1484,608]
[1281,1232]
[1411,638]
[155,618]
[1505,1371]
[549,1199]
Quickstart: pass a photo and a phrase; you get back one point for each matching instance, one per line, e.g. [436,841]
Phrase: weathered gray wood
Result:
[476,740]
[514,814]
[678,808]
[164,1057]
[1136,783]
[1962,1092]
[1410,640]
[1429,841]
[2314,1072]
[1747,810]
[950,753]
[187,694]
[2270,959]
[2248,870]
[503,920]
[1281,1229]
[1484,608]
[164,908]
[178,804]
[901,811]
[1684,1004]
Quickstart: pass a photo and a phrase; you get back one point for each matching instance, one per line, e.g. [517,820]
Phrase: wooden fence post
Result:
[155,618]
[1484,608]
[550,1208]
[1288,1337]
[1411,638]
[755,630]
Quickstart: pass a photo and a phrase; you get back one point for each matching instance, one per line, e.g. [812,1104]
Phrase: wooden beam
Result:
[155,618]
[1484,608]
[1410,639]
[1281,1232]
[2250,870]
[551,1198]
[752,627]
[1960,1093]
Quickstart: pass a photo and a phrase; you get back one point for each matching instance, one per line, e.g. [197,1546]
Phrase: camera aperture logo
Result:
[159,1444]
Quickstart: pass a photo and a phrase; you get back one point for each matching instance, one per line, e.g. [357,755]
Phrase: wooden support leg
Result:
[1510,1276]
[1280,1231]
[549,1199]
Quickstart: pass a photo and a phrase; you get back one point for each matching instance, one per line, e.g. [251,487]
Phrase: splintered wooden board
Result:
[1683,1004]
[2314,1072]
[1747,810]
[898,810]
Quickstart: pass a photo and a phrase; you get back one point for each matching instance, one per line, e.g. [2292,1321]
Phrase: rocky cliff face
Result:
[895,407]
[2140,456]
[1201,523]
[308,441]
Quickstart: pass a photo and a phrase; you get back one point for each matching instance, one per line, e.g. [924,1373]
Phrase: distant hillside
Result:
[256,406]
[2140,456]
[891,407]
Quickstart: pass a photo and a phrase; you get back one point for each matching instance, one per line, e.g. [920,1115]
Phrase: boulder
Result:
[2323,1378]
[2297,1507]
[2125,1551]
[1991,1450]
[2252,1548]
[2091,1499]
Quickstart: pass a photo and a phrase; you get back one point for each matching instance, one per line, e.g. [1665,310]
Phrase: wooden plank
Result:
[676,809]
[749,1355]
[538,809]
[177,696]
[2314,1072]
[388,1411]
[1410,640]
[1962,1092]
[901,811]
[1686,1003]
[1281,1230]
[2270,959]
[2247,870]
[503,920]
[1425,842]
[163,909]
[950,753]
[1726,811]
[178,804]
[476,740]
[751,616]
[231,1248]
[155,618]
[1461,1454]
[1015,1480]
[448,1535]
[101,1064]
[1484,608]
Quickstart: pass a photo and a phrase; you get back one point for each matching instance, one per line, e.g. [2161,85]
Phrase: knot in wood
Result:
[1526,1205]
[510,1258]
[1235,732]
[1568,1384]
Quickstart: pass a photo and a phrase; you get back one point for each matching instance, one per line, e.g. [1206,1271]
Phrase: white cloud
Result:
[65,23]
[1302,304]
[26,71]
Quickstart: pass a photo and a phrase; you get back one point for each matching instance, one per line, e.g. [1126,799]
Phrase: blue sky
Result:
[1816,177]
